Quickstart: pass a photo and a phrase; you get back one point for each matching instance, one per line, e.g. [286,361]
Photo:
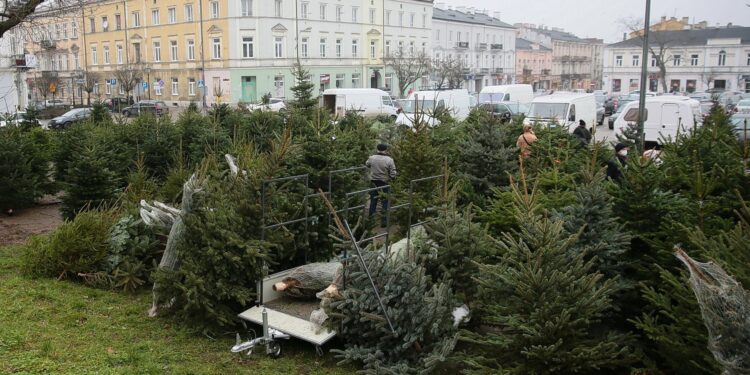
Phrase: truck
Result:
[562,108]
[666,116]
[365,102]
[518,93]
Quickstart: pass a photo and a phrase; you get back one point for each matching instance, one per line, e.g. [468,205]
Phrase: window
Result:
[355,47]
[191,49]
[338,47]
[175,87]
[424,20]
[677,60]
[157,51]
[173,50]
[355,10]
[618,60]
[106,54]
[340,80]
[355,80]
[172,15]
[214,9]
[137,50]
[278,47]
[373,49]
[424,48]
[188,12]
[136,19]
[246,7]
[322,47]
[303,9]
[387,17]
[155,17]
[92,25]
[748,59]
[388,81]
[322,11]
[339,13]
[74,29]
[277,8]
[636,60]
[450,35]
[94,59]
[105,23]
[411,20]
[157,86]
[247,47]
[191,87]
[401,18]
[118,22]
[372,15]
[722,58]
[694,60]
[119,53]
[387,48]
[304,47]
[76,61]
[411,48]
[216,47]
[108,87]
[58,32]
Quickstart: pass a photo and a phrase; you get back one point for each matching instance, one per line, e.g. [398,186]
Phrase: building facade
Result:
[696,60]
[533,64]
[485,45]
[597,63]
[572,65]
[13,88]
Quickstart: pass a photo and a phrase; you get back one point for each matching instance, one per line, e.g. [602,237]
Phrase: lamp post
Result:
[147,70]
[644,75]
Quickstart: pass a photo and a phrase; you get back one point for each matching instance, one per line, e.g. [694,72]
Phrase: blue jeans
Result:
[374,195]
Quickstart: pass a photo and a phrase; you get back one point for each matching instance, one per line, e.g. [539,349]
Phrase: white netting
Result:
[725,307]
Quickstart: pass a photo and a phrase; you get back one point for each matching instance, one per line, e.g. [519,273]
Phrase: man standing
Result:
[525,140]
[382,172]
[583,134]
[619,161]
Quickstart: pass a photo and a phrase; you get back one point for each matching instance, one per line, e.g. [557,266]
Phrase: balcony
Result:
[484,71]
[546,72]
[482,46]
[462,45]
[527,72]
[496,47]
[498,70]
[47,44]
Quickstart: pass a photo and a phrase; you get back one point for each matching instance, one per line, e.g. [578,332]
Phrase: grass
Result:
[50,326]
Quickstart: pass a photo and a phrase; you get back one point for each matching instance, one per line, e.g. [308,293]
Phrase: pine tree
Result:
[303,101]
[540,306]
[419,310]
[89,184]
[485,159]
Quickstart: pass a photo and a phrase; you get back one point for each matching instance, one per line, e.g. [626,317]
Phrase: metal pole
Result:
[644,76]
[203,58]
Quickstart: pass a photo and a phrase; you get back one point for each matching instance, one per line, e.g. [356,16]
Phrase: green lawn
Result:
[49,326]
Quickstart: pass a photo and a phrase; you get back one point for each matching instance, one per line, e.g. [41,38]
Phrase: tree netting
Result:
[725,307]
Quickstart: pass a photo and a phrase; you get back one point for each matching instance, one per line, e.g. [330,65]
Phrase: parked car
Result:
[274,105]
[407,112]
[365,102]
[666,116]
[562,108]
[14,119]
[614,116]
[741,124]
[519,93]
[116,104]
[54,103]
[743,106]
[599,113]
[155,107]
[69,118]
[505,111]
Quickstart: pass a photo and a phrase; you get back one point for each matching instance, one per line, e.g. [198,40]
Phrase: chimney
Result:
[461,9]
[729,25]
[624,36]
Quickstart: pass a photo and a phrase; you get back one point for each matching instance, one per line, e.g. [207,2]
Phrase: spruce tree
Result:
[90,182]
[541,305]
[485,160]
[303,101]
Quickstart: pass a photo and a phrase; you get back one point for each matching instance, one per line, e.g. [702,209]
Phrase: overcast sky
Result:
[602,18]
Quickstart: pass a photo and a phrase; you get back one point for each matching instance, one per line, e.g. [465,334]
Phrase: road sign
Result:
[201,84]
[144,85]
[52,88]
[80,81]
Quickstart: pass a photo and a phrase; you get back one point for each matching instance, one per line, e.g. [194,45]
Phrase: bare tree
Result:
[128,76]
[46,83]
[658,46]
[90,80]
[408,68]
[21,14]
[448,73]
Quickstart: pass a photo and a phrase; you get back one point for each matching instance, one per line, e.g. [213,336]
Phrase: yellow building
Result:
[672,24]
[166,41]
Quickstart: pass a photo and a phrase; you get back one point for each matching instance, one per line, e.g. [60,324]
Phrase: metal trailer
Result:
[282,317]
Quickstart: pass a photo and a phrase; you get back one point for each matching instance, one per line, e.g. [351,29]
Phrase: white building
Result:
[13,86]
[696,60]
[341,43]
[485,44]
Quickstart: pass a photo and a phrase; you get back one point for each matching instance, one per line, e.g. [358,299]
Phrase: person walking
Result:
[525,141]
[615,164]
[583,134]
[382,172]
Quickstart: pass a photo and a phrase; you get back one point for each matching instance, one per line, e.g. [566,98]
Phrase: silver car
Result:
[741,124]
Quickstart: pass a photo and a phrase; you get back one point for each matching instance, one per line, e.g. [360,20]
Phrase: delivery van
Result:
[519,93]
[458,102]
[563,108]
[365,102]
[666,115]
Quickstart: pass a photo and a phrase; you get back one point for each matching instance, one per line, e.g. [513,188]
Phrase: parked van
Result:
[366,102]
[458,101]
[563,108]
[665,117]
[519,93]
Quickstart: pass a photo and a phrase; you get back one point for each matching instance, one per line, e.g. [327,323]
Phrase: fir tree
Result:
[303,101]
[485,159]
[90,183]
[541,304]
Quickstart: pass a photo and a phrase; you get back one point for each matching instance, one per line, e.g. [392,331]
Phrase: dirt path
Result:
[23,224]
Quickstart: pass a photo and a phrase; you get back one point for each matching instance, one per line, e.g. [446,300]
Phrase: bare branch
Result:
[408,68]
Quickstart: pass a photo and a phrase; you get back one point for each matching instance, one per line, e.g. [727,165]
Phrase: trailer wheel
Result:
[274,349]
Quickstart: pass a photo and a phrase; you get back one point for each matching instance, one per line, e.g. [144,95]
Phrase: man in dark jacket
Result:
[583,134]
[619,161]
[382,172]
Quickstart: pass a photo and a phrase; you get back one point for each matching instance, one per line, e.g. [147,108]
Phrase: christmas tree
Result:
[303,90]
[485,160]
[90,183]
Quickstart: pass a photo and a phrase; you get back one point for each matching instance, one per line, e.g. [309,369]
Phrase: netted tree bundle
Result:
[306,281]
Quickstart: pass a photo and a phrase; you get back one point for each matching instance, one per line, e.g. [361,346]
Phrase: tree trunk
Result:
[663,72]
[306,281]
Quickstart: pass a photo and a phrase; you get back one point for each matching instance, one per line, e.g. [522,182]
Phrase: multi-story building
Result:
[533,64]
[572,66]
[340,43]
[13,88]
[597,63]
[672,24]
[484,44]
[695,60]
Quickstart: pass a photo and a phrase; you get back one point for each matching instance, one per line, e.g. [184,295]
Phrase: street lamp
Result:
[147,70]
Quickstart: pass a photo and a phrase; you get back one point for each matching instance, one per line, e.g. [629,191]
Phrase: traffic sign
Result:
[52,87]
[145,85]
[201,84]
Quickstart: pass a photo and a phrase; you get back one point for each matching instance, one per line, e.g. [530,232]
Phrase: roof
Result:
[689,37]
[526,44]
[560,35]
[560,96]
[476,18]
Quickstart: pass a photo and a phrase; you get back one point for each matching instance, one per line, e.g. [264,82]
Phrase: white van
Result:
[564,108]
[365,102]
[520,93]
[665,116]
[458,101]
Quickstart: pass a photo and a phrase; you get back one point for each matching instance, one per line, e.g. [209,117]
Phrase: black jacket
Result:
[582,134]
[613,168]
